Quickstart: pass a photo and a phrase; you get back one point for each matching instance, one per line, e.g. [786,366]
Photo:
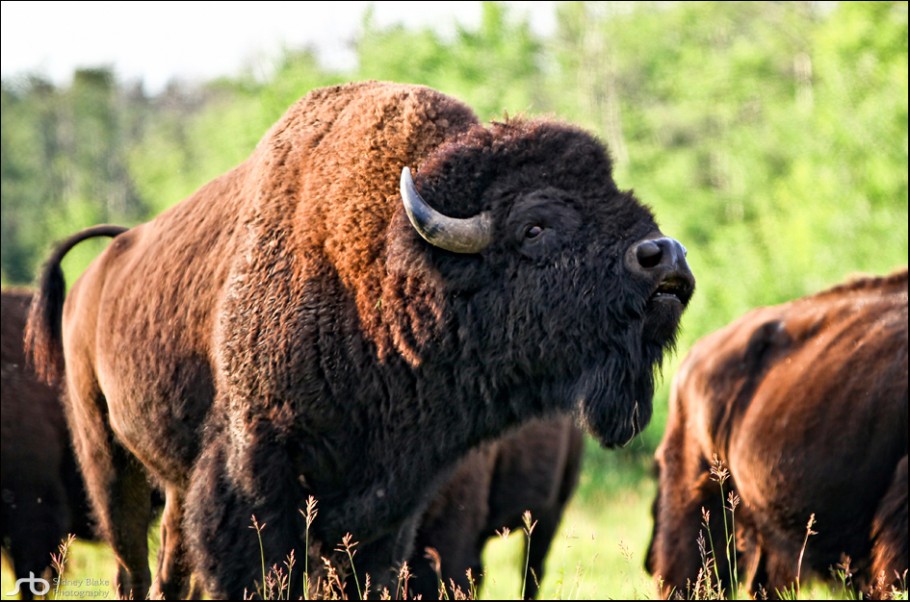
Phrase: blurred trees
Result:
[64,162]
[770,137]
[495,69]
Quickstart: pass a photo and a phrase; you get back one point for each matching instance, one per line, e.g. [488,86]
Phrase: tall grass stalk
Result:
[309,515]
[528,529]
[708,555]
[802,551]
[733,501]
[58,561]
[792,592]
[404,575]
[472,585]
[720,474]
[258,528]
[348,546]
[288,583]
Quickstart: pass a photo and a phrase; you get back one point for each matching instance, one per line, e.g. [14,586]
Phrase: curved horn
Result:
[467,235]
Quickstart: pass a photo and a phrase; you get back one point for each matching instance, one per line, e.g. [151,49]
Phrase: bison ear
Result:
[459,235]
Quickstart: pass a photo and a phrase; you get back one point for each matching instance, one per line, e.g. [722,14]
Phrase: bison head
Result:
[554,286]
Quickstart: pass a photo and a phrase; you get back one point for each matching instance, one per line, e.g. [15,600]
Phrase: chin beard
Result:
[614,399]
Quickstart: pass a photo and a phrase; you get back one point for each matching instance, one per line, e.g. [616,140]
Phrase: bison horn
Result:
[459,235]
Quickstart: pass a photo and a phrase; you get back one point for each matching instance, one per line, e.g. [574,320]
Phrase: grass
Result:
[598,552]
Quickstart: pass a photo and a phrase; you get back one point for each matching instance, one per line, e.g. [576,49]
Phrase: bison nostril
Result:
[648,254]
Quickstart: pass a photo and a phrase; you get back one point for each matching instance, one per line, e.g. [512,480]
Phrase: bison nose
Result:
[654,253]
[663,260]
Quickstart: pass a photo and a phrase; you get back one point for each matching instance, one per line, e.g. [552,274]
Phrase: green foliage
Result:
[495,69]
[63,163]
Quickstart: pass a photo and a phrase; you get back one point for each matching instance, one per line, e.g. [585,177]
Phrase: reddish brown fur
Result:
[806,403]
[43,496]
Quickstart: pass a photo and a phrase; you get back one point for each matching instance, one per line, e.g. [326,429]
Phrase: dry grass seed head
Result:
[719,471]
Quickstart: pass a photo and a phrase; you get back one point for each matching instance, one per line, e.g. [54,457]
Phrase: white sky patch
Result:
[158,41]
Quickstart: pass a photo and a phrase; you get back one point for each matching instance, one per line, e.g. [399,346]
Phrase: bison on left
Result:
[384,285]
[43,495]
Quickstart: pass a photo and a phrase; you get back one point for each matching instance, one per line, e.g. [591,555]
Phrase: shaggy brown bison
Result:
[806,405]
[42,492]
[308,324]
[535,468]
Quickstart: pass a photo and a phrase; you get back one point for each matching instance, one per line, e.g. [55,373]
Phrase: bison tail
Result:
[43,343]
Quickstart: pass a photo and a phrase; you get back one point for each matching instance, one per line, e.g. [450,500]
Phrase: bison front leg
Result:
[383,558]
[222,538]
[537,547]
[889,536]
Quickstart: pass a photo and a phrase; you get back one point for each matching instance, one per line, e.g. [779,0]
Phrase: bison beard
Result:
[287,331]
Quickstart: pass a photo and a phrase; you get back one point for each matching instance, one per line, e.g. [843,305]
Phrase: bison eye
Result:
[533,232]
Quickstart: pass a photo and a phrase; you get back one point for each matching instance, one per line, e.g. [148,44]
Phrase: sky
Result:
[158,41]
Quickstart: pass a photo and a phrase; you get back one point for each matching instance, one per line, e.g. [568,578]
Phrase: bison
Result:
[805,406]
[319,322]
[43,496]
[533,469]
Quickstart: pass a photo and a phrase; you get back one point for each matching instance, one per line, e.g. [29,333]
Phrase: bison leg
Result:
[174,572]
[224,547]
[767,575]
[458,545]
[126,504]
[889,535]
[549,518]
[539,545]
[116,483]
[674,557]
[35,523]
[122,503]
[382,558]
[454,526]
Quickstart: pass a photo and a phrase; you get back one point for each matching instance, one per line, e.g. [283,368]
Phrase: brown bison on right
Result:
[806,404]
[322,321]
